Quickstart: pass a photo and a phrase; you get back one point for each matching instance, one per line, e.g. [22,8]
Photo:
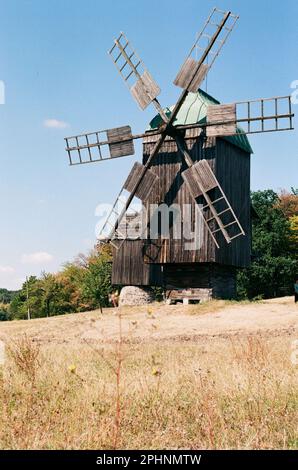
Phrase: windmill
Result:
[200,176]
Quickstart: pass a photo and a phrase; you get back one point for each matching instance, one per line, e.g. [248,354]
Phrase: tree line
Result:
[85,283]
[81,285]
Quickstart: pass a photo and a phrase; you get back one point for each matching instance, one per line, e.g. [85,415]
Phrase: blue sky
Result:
[54,64]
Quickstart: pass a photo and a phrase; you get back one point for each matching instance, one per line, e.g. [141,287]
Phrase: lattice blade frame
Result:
[100,145]
[254,116]
[133,71]
[141,185]
[211,28]
[200,180]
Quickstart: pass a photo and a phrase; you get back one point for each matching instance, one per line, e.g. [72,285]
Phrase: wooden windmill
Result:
[195,154]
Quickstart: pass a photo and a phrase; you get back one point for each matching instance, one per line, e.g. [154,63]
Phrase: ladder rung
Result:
[231,238]
[112,48]
[220,213]
[220,11]
[216,200]
[236,236]
[231,223]
[126,78]
[213,202]
[119,55]
[123,66]
[225,226]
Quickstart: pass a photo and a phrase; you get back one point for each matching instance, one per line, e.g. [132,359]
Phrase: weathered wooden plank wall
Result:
[129,267]
[233,173]
[221,280]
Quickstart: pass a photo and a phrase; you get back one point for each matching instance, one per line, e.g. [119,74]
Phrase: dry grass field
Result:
[211,376]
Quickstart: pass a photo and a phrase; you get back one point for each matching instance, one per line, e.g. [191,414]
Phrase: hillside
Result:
[216,375]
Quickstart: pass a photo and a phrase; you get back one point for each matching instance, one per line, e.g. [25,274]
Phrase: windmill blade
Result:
[132,69]
[102,145]
[88,148]
[140,184]
[209,43]
[201,180]
[254,116]
[114,225]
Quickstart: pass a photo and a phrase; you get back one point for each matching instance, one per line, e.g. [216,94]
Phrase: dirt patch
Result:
[163,322]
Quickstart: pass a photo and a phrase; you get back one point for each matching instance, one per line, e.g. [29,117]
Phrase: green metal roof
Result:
[194,110]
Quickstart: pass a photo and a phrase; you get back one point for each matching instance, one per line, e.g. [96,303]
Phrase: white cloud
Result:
[55,124]
[39,257]
[6,270]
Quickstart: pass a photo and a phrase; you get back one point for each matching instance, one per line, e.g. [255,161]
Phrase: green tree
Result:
[50,294]
[19,305]
[4,312]
[72,279]
[97,282]
[273,271]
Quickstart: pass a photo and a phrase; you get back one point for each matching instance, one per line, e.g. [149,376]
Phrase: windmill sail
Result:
[100,145]
[133,71]
[139,183]
[254,116]
[215,33]
[201,180]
